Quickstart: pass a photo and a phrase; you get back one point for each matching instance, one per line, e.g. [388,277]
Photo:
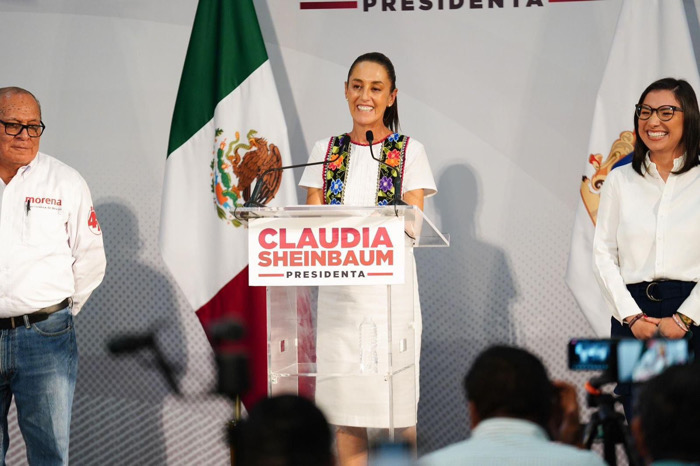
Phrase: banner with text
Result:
[319,251]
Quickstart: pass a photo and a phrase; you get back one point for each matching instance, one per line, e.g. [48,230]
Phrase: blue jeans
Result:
[38,366]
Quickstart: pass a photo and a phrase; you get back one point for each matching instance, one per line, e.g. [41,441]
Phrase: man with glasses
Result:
[51,259]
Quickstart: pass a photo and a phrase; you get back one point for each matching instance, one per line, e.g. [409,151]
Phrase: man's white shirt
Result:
[51,241]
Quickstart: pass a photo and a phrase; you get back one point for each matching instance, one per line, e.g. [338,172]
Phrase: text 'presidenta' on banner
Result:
[316,251]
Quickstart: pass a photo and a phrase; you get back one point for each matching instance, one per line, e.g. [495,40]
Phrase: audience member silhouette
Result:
[518,416]
[285,430]
[666,425]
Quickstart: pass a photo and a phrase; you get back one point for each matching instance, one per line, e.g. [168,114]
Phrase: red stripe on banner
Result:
[327,5]
[270,275]
[378,274]
[246,304]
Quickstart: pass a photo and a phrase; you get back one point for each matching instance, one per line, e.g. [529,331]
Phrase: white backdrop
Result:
[502,98]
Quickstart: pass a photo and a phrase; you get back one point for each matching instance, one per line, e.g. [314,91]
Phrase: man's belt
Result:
[38,316]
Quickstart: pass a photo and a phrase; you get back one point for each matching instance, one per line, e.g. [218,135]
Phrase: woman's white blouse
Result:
[647,230]
[361,182]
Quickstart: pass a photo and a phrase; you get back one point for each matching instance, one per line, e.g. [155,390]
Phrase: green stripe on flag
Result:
[226,46]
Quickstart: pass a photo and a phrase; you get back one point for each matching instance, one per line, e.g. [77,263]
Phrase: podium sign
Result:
[326,344]
[322,251]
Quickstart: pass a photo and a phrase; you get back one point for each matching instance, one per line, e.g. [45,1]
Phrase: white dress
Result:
[363,401]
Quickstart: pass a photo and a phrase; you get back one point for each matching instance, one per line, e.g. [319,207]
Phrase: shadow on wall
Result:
[466,291]
[118,402]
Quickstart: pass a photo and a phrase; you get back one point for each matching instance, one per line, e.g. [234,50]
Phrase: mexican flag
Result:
[651,41]
[227,124]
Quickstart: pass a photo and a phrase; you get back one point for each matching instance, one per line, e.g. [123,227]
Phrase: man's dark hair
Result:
[691,123]
[285,430]
[668,407]
[510,382]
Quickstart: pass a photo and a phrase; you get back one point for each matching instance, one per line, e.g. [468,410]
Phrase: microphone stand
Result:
[253,201]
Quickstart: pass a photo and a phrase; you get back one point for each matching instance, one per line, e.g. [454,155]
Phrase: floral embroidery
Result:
[385,184]
[389,175]
[336,186]
[337,163]
[334,173]
[393,158]
[393,155]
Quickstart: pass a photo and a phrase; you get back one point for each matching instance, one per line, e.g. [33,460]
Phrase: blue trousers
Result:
[671,295]
[38,366]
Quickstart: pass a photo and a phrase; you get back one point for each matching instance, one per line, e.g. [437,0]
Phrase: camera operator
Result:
[667,410]
[518,416]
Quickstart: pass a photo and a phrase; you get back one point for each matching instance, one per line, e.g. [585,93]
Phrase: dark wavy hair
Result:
[391,114]
[285,430]
[691,123]
[511,382]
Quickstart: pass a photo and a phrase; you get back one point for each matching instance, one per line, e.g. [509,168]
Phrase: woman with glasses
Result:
[646,258]
[351,318]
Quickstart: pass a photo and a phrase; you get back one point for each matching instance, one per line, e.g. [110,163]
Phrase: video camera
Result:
[627,360]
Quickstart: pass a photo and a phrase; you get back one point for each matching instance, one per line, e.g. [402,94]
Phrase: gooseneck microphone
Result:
[397,196]
[254,200]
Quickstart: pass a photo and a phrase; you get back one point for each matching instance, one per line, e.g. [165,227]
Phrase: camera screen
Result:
[390,454]
[638,360]
[590,355]
[629,360]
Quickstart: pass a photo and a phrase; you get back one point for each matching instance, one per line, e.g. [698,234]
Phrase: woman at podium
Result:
[372,165]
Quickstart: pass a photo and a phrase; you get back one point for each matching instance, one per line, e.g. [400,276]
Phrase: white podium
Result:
[294,252]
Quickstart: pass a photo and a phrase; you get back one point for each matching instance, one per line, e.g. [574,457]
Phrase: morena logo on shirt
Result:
[42,200]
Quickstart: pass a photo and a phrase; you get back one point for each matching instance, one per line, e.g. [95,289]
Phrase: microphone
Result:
[131,343]
[255,195]
[397,195]
[227,330]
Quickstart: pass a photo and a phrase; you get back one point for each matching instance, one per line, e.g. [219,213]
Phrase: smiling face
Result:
[17,151]
[662,137]
[369,92]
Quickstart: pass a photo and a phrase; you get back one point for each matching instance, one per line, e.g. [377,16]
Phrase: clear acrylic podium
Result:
[345,358]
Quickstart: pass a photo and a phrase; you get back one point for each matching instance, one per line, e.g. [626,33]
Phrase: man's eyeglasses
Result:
[665,112]
[13,129]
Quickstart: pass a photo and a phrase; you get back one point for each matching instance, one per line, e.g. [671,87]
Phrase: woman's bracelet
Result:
[635,319]
[680,323]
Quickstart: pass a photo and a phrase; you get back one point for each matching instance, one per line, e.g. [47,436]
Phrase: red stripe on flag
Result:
[236,300]
[327,5]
